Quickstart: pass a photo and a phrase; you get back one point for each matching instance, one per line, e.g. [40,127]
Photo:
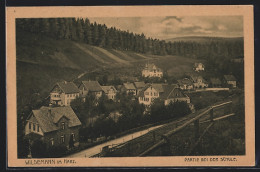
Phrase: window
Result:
[68,95]
[33,127]
[52,141]
[30,125]
[38,128]
[151,93]
[62,139]
[63,125]
[73,136]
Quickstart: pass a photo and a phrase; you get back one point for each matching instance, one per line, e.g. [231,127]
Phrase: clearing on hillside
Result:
[112,56]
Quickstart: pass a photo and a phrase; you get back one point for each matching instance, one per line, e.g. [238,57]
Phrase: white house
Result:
[150,70]
[198,81]
[63,93]
[167,93]
[198,67]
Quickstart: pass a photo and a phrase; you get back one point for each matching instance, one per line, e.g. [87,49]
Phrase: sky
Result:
[177,26]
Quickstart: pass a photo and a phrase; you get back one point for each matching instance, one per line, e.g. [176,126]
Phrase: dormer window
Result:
[33,127]
[38,128]
[63,125]
[30,125]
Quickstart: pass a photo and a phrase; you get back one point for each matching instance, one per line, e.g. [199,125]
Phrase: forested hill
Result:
[81,30]
[204,39]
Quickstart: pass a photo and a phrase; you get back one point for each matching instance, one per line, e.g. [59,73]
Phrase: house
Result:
[54,125]
[139,86]
[63,93]
[215,82]
[185,84]
[198,67]
[109,91]
[90,88]
[230,80]
[129,88]
[198,81]
[167,93]
[150,70]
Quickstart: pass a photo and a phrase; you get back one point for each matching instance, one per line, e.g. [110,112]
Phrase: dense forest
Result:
[79,29]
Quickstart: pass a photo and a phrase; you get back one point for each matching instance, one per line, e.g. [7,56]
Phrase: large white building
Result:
[63,93]
[150,70]
[167,93]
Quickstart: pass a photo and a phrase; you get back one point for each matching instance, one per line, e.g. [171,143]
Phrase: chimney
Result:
[65,82]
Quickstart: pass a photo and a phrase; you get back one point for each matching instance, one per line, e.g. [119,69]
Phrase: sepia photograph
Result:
[104,87]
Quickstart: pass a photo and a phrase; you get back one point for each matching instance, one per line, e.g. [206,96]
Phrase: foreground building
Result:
[54,125]
[150,70]
[63,93]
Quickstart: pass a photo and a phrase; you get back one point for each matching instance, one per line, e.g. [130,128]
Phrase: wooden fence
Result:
[208,112]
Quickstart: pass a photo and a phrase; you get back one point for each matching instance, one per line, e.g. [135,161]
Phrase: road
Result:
[96,149]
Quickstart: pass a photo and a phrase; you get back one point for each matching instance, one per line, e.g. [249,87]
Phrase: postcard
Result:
[130,86]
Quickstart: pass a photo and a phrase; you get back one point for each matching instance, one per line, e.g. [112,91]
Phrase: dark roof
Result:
[47,117]
[163,89]
[129,86]
[195,78]
[139,84]
[229,78]
[92,85]
[107,88]
[215,81]
[169,91]
[68,87]
[118,87]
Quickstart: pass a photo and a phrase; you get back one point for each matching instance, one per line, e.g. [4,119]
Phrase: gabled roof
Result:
[139,84]
[67,87]
[129,86]
[185,81]
[195,78]
[151,67]
[215,81]
[229,78]
[47,117]
[163,89]
[107,88]
[168,92]
[92,85]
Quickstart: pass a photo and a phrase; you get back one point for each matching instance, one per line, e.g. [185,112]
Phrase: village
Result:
[58,124]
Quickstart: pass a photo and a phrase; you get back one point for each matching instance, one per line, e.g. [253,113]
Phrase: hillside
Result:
[42,61]
[201,39]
